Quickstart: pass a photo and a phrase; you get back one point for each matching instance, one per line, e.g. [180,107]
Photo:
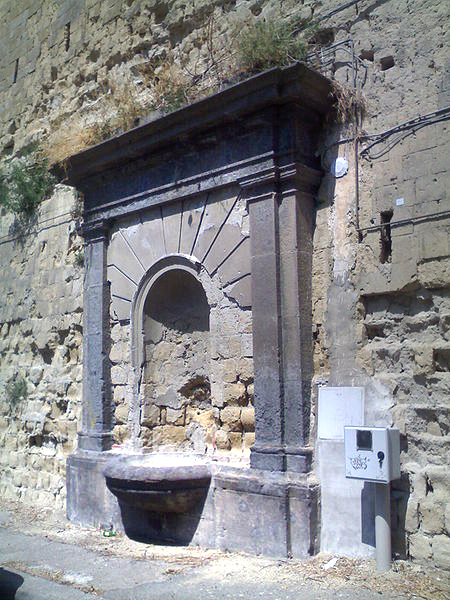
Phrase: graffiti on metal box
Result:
[359,462]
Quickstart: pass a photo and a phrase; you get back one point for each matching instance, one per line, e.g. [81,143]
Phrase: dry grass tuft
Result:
[349,106]
[118,110]
[69,139]
[172,80]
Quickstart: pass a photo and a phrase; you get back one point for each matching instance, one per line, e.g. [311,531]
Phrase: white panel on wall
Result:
[338,407]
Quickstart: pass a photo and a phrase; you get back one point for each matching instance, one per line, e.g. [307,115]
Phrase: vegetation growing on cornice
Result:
[170,80]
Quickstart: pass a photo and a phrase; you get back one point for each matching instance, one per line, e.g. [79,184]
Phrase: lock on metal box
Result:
[372,453]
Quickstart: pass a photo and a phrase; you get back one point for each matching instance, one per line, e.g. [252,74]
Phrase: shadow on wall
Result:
[9,584]
[399,504]
[368,514]
[400,492]
[176,301]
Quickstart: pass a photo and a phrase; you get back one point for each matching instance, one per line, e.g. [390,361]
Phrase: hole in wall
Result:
[323,37]
[386,240]
[47,355]
[67,35]
[367,55]
[16,70]
[387,62]
[375,330]
[441,358]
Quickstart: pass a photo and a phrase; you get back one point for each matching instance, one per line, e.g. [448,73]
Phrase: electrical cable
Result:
[431,216]
[408,127]
[8,238]
[330,51]
[337,10]
[403,130]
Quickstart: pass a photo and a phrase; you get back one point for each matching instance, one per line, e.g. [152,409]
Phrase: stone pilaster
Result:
[95,434]
[267,453]
[296,214]
[281,223]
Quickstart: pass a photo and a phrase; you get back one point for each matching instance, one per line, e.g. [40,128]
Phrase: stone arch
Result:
[171,322]
[178,262]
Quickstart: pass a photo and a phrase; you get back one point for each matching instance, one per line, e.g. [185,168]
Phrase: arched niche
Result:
[175,407]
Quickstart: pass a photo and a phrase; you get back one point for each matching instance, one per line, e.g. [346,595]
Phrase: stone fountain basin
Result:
[162,483]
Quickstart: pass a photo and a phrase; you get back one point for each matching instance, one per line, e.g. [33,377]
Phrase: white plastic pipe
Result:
[383,551]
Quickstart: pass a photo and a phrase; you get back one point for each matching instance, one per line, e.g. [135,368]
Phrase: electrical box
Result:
[372,453]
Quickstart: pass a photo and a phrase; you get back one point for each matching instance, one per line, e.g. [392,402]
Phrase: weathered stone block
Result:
[235,441]
[432,513]
[234,392]
[168,435]
[221,440]
[121,414]
[175,416]
[169,399]
[120,434]
[118,375]
[229,374]
[248,418]
[205,418]
[419,546]
[245,370]
[424,360]
[119,352]
[441,551]
[150,415]
[231,418]
[434,243]
[249,440]
[119,393]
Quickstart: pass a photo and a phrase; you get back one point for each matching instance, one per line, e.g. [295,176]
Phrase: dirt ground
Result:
[324,571]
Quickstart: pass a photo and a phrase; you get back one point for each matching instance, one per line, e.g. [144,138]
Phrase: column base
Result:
[287,458]
[89,502]
[273,514]
[95,442]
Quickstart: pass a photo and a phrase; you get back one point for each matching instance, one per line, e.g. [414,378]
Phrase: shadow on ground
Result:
[9,584]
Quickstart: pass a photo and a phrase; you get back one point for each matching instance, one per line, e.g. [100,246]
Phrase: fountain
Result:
[197,360]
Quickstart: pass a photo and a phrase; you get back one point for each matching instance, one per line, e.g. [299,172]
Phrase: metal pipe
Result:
[383,551]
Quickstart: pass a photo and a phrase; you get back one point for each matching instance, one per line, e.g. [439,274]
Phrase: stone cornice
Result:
[278,86]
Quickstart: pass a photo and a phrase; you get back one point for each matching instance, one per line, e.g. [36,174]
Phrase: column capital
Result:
[95,232]
[259,185]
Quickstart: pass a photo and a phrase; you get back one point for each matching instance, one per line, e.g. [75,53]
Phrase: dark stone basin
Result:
[160,483]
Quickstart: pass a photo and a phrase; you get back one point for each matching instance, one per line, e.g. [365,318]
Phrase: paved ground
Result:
[43,557]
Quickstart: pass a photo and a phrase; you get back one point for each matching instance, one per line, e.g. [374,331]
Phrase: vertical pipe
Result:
[383,526]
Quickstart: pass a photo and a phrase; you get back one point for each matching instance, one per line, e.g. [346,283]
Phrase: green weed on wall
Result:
[24,184]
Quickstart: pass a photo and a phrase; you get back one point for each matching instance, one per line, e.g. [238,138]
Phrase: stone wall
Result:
[380,296]
[40,345]
[178,408]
